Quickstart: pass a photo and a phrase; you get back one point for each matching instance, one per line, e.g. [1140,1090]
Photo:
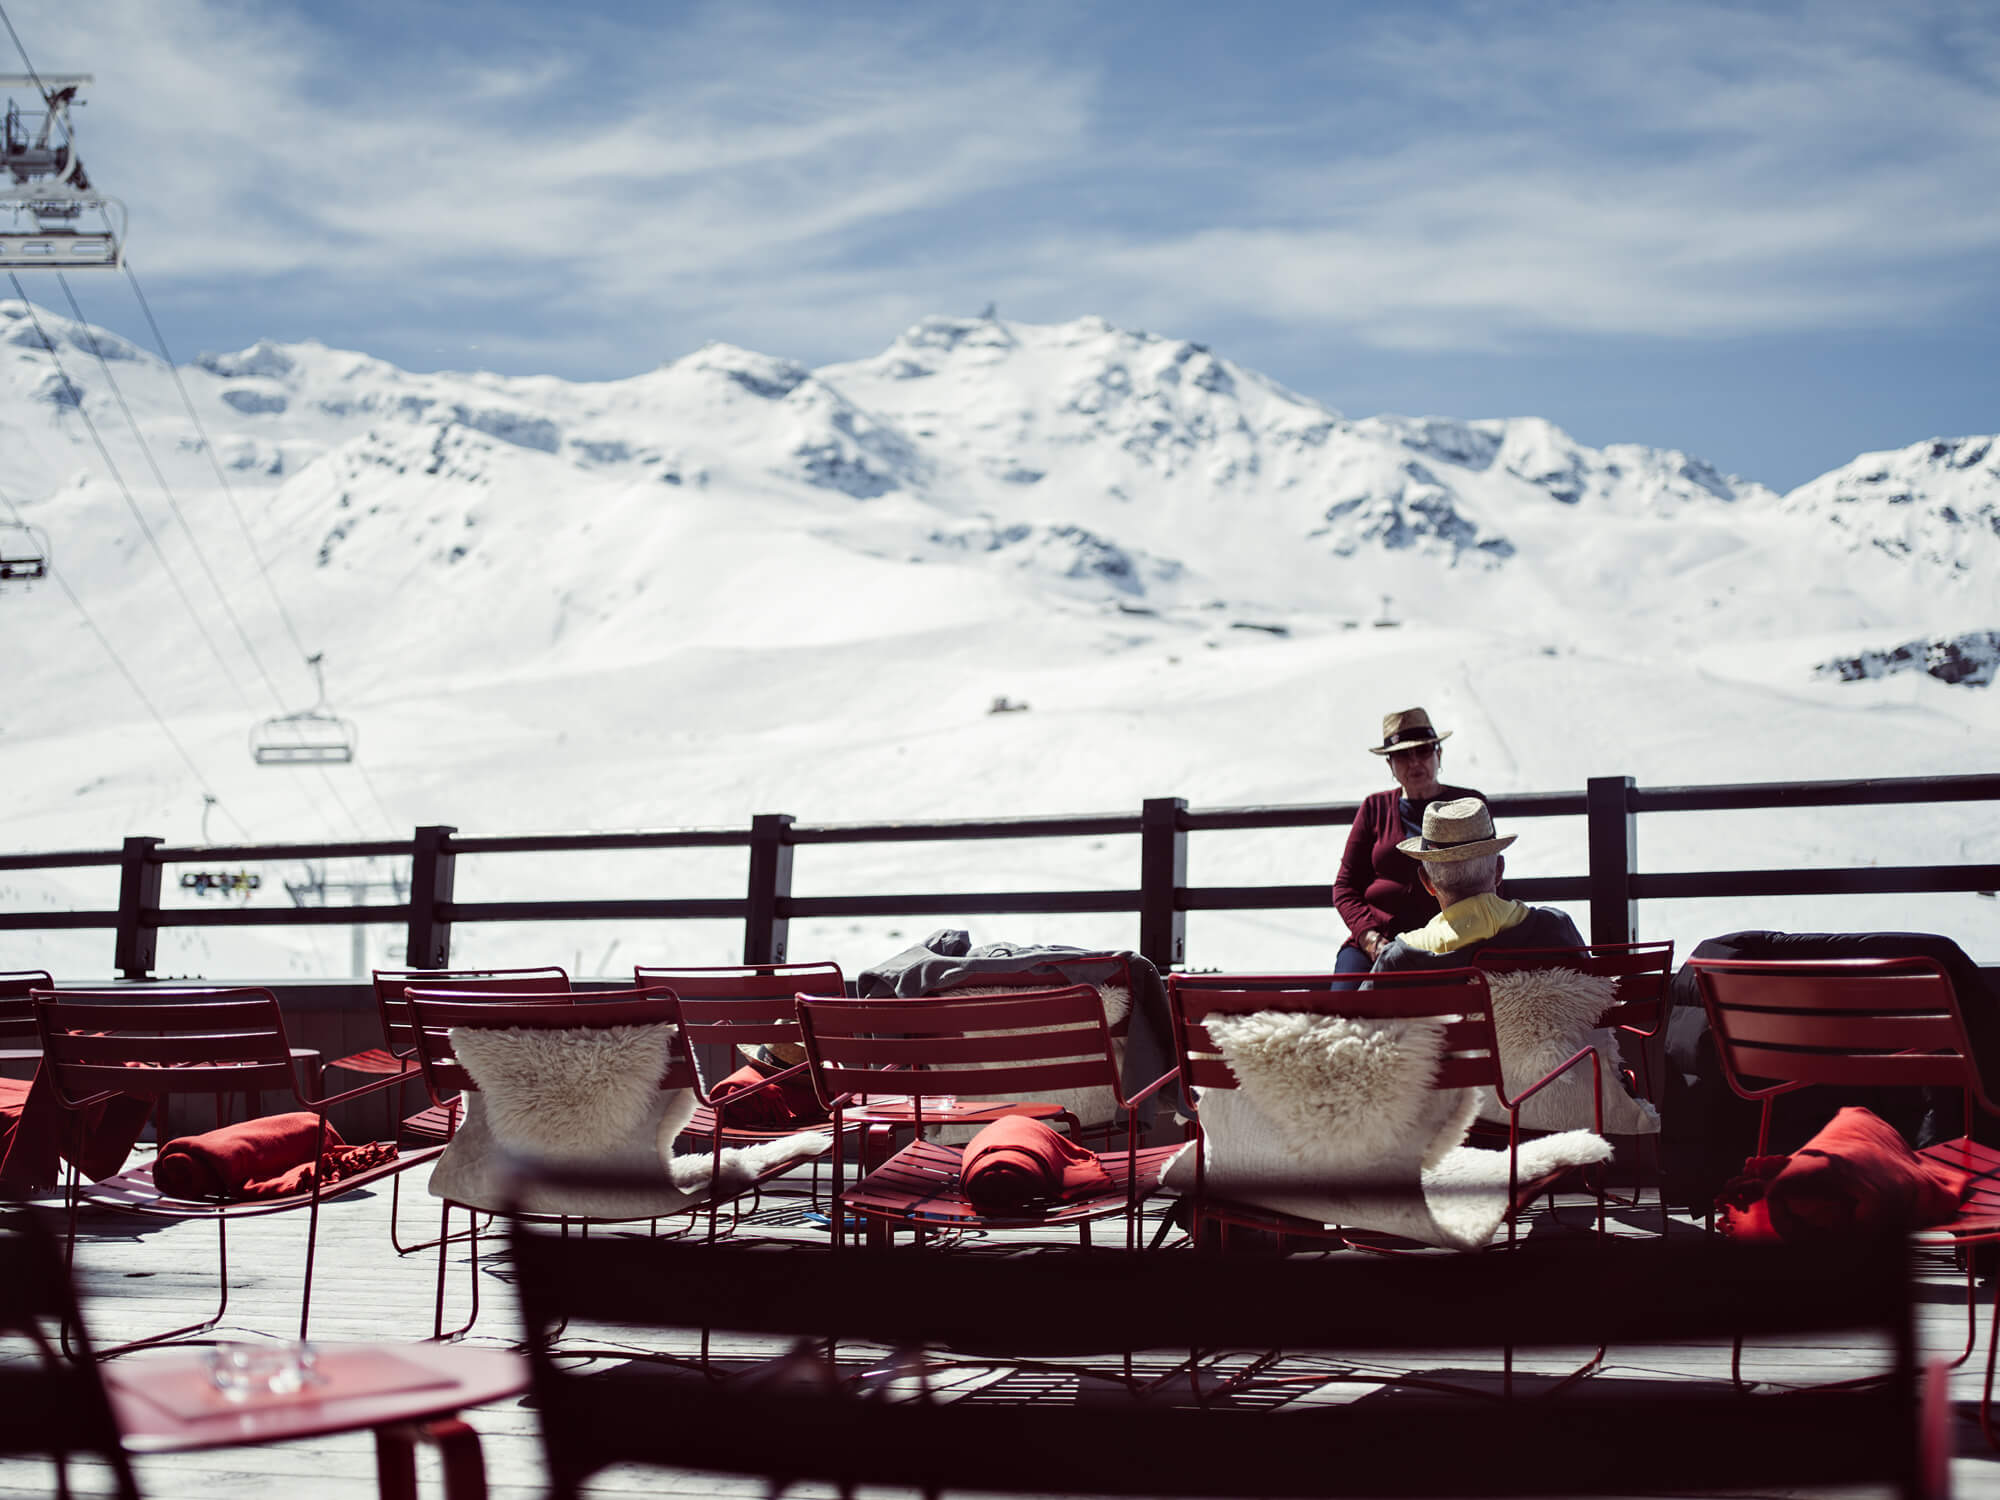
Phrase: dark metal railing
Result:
[1612,886]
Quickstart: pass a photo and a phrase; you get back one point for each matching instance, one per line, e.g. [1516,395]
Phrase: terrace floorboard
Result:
[137,1276]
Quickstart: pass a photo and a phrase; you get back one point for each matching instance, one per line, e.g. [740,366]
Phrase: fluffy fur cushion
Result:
[569,1095]
[1336,1122]
[589,1095]
[1542,1016]
[1365,1085]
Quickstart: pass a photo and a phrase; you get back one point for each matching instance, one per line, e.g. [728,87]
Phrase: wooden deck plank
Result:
[137,1277]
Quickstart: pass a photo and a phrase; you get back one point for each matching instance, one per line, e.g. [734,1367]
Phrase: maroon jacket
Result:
[1377,885]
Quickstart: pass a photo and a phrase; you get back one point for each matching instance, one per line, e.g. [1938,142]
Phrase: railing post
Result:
[138,909]
[433,872]
[764,931]
[1162,873]
[1614,859]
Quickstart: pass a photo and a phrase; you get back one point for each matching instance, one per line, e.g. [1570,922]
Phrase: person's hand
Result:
[1372,942]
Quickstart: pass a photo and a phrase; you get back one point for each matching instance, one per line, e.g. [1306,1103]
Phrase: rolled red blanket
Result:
[756,1103]
[218,1163]
[1857,1178]
[1016,1162]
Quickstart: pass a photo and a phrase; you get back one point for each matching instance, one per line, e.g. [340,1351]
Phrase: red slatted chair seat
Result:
[1023,1043]
[920,1185]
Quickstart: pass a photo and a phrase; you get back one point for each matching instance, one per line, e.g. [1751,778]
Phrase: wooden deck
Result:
[136,1276]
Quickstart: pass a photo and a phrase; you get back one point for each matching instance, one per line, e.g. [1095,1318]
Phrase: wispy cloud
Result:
[1694,169]
[606,189]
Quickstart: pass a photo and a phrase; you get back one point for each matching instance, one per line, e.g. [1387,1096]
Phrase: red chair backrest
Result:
[17,1012]
[395,1011]
[1024,1042]
[1117,974]
[743,1004]
[1458,997]
[1643,972]
[434,1013]
[207,1040]
[1847,1021]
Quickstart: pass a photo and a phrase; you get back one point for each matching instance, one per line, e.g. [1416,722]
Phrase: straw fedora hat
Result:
[1455,830]
[1407,729]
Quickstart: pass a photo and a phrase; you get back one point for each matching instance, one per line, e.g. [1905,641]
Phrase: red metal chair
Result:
[436,1013]
[216,1041]
[1781,1026]
[396,1058]
[726,1007]
[19,1041]
[1471,1059]
[921,1050]
[1643,972]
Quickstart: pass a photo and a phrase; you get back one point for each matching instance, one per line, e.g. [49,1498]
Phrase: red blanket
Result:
[1856,1178]
[1016,1161]
[755,1103]
[37,1133]
[272,1157]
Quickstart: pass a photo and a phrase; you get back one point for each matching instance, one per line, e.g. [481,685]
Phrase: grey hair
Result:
[1455,880]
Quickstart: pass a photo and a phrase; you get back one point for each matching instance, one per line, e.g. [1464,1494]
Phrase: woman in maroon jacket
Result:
[1378,891]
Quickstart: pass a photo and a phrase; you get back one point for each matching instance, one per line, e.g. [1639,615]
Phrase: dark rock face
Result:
[1971,660]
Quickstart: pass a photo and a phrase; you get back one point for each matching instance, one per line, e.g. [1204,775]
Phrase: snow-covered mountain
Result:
[734,584]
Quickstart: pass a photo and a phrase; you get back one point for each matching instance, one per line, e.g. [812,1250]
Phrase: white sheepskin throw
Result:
[590,1096]
[571,1094]
[1092,1107]
[1540,1017]
[1336,1122]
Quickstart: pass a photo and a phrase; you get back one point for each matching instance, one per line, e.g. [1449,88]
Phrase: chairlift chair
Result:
[51,217]
[311,737]
[24,552]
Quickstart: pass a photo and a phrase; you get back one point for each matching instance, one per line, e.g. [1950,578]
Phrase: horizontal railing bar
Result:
[1318,897]
[954,904]
[277,916]
[199,854]
[1752,796]
[1337,814]
[69,860]
[1057,827]
[1878,881]
[545,843]
[591,911]
[32,921]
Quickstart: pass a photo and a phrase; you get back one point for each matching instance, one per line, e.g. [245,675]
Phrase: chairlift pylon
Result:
[51,217]
[311,737]
[24,552]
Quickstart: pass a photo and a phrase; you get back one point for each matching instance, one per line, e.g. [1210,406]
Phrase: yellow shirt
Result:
[1473,920]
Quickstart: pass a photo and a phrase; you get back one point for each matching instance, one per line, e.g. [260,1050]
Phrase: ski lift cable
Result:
[49,344]
[132,681]
[173,504]
[249,540]
[26,61]
[215,462]
[131,503]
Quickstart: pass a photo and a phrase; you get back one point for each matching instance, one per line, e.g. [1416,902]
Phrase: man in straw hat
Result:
[1378,890]
[1461,865]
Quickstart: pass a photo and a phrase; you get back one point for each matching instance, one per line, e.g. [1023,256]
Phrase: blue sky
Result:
[1764,233]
